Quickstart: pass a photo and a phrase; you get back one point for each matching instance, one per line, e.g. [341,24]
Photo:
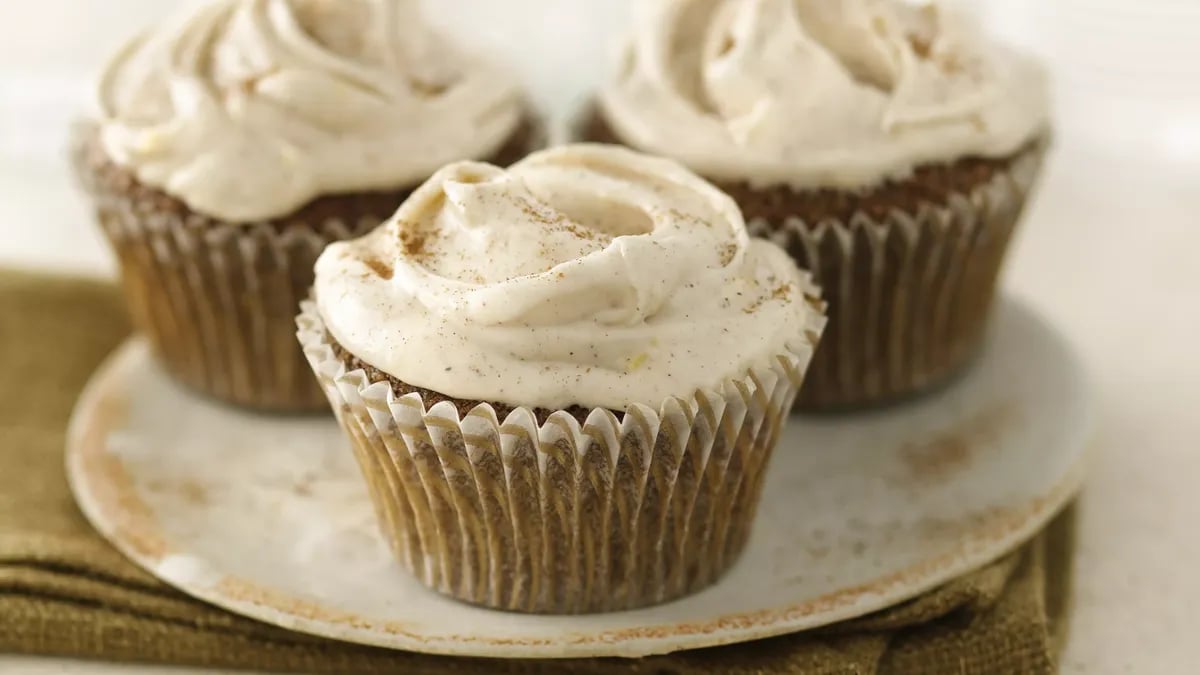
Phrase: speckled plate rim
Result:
[106,495]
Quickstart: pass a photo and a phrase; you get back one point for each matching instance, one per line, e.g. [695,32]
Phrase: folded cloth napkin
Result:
[65,592]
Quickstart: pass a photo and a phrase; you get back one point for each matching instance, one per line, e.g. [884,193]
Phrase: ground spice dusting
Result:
[728,253]
[580,231]
[427,89]
[539,213]
[689,218]
[781,292]
[413,240]
[921,47]
[545,215]
[379,267]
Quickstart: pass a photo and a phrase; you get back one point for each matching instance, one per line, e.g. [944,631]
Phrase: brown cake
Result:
[563,382]
[901,204]
[218,203]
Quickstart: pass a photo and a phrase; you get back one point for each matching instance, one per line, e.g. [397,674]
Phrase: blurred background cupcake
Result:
[237,139]
[887,145]
[563,382]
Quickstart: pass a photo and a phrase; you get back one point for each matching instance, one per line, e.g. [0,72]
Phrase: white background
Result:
[1111,250]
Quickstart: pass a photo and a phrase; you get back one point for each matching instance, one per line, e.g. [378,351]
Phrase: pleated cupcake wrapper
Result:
[909,295]
[218,301]
[561,517]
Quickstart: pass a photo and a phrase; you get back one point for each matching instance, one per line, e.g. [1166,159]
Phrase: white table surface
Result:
[1109,252]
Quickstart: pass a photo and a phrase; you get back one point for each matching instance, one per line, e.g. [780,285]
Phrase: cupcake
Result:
[237,140]
[563,381]
[887,146]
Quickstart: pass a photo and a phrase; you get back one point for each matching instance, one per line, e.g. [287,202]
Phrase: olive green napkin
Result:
[64,592]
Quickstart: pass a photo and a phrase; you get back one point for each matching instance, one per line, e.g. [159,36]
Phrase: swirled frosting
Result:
[584,275]
[819,93]
[248,109]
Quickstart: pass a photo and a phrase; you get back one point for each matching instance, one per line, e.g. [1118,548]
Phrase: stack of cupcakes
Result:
[240,138]
[887,146]
[563,381]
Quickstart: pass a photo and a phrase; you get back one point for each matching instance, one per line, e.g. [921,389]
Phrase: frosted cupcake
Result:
[563,381]
[239,138]
[887,146]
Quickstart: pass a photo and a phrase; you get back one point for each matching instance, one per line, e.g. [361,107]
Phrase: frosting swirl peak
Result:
[248,109]
[584,275]
[819,93]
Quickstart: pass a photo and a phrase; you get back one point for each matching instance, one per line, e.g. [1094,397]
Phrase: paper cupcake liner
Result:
[218,301]
[563,518]
[909,295]
[218,304]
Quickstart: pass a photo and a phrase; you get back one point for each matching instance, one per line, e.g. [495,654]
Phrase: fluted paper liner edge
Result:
[910,294]
[218,300]
[564,518]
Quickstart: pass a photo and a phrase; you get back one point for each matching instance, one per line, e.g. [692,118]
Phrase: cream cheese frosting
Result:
[584,275]
[248,109]
[819,93]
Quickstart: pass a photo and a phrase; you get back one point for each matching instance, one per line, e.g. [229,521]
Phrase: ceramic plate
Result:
[268,517]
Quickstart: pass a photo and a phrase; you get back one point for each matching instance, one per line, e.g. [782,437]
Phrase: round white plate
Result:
[268,517]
